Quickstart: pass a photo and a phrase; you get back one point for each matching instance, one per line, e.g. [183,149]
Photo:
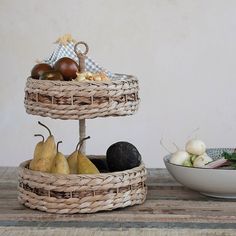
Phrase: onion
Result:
[179,157]
[202,160]
[195,147]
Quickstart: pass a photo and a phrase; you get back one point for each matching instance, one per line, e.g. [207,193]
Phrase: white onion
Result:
[179,157]
[202,160]
[195,147]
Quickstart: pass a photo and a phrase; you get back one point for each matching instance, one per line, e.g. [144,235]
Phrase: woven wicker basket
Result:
[82,100]
[81,193]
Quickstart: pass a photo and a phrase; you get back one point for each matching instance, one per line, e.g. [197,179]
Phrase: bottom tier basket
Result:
[73,193]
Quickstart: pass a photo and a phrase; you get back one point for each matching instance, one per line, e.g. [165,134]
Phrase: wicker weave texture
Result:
[81,193]
[82,100]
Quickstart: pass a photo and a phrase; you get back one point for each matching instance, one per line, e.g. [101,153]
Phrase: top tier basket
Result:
[75,100]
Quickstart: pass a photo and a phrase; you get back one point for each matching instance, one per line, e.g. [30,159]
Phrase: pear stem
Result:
[58,145]
[39,135]
[80,142]
[45,127]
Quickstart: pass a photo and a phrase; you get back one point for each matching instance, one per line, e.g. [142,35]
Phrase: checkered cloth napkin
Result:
[68,51]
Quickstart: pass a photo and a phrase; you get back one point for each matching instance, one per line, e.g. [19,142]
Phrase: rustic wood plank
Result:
[31,231]
[168,205]
[8,173]
[145,215]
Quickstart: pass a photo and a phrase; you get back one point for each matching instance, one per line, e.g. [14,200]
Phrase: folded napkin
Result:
[65,48]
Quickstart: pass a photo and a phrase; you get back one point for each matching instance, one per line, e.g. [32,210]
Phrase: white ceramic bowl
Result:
[219,183]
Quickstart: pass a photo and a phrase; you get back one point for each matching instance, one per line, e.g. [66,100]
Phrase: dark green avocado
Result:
[122,156]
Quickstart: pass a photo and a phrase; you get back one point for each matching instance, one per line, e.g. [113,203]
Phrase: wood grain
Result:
[31,231]
[169,207]
[25,231]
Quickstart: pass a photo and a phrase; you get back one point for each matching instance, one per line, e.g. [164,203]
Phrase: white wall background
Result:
[182,51]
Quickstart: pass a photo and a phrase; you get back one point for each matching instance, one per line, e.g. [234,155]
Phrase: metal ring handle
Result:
[78,52]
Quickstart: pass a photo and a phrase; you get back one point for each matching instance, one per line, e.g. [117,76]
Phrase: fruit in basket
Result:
[84,165]
[72,158]
[51,75]
[48,153]
[39,69]
[72,162]
[37,152]
[122,156]
[67,67]
[60,164]
[88,76]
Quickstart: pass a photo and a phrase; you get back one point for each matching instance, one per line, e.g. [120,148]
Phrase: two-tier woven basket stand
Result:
[71,100]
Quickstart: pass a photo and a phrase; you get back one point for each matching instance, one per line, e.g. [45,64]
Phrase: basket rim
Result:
[22,166]
[74,82]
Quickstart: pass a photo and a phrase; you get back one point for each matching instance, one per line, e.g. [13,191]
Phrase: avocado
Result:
[122,156]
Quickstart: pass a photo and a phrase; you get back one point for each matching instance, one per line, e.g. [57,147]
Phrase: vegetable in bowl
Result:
[197,155]
[194,155]
[195,147]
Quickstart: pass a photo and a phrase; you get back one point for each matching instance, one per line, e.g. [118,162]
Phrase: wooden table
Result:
[170,209]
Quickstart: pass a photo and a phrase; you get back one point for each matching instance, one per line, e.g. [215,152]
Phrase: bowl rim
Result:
[167,157]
